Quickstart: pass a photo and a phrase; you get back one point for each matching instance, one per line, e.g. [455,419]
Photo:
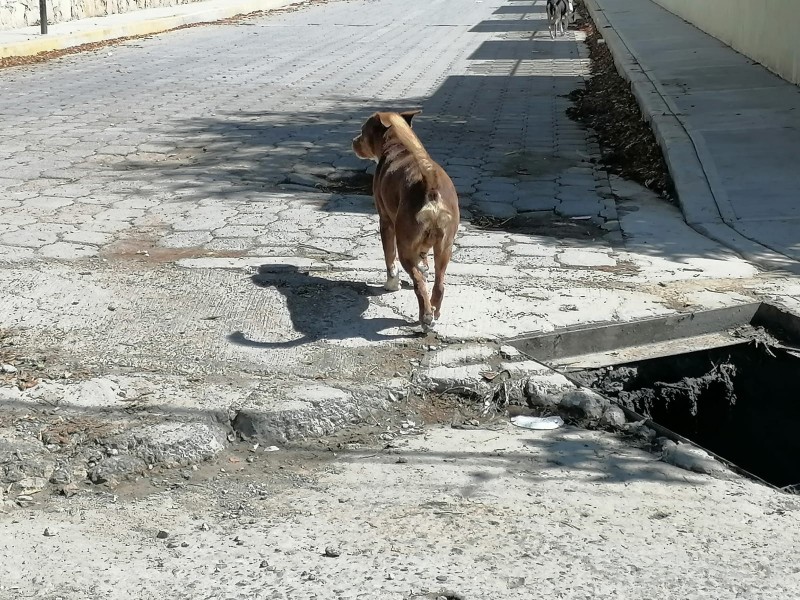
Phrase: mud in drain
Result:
[727,380]
[740,402]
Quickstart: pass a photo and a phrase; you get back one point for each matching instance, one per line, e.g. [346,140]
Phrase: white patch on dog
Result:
[392,281]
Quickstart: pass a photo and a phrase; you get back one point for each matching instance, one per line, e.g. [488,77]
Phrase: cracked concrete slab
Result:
[164,294]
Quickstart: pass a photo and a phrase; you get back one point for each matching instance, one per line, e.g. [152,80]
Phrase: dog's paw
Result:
[427,322]
[392,284]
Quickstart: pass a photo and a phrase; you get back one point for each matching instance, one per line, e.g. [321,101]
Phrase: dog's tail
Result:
[433,216]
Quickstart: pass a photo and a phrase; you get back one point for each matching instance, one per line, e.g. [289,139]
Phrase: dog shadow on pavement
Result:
[323,309]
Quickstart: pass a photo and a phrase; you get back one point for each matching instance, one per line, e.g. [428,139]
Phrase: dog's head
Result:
[369,143]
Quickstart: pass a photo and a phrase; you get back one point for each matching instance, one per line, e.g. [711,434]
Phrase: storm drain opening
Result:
[724,379]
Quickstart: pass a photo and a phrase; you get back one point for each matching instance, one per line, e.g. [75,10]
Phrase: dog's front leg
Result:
[390,255]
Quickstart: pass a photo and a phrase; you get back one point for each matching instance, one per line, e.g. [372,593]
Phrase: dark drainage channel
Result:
[725,379]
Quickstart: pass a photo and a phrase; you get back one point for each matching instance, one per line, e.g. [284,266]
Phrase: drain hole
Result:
[739,402]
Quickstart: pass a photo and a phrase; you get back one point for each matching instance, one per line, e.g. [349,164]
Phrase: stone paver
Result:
[157,227]
[494,117]
[212,148]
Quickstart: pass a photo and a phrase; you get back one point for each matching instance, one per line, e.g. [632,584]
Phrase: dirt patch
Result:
[23,370]
[74,431]
[144,250]
[606,105]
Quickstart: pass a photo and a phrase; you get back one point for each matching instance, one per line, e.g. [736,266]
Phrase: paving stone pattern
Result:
[214,139]
[23,13]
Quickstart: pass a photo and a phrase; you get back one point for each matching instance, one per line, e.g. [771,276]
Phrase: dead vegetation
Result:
[606,105]
[16,370]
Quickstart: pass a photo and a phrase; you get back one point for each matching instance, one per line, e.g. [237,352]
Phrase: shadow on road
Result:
[323,309]
[547,459]
[499,118]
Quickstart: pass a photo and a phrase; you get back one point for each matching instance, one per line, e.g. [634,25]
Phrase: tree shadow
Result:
[522,8]
[324,309]
[491,121]
[559,456]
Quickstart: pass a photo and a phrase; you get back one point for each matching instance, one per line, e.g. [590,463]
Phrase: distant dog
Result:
[557,12]
[417,206]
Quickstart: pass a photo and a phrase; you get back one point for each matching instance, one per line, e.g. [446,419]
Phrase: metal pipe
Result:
[43,16]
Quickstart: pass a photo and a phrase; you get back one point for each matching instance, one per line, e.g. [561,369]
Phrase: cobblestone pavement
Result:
[223,146]
[208,139]
[189,203]
[184,227]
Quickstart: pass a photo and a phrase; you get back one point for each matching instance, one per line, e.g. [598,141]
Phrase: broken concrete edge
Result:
[527,383]
[692,178]
[118,444]
[327,411]
[134,28]
[500,383]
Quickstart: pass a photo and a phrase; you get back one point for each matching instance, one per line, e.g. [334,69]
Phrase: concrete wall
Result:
[767,31]
[23,13]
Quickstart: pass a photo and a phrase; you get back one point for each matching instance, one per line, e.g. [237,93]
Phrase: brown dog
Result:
[417,205]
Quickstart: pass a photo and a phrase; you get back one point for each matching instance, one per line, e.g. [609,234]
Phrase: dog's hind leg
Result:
[409,262]
[423,263]
[442,251]
[390,255]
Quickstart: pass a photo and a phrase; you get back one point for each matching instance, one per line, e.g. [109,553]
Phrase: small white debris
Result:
[8,368]
[509,352]
[537,422]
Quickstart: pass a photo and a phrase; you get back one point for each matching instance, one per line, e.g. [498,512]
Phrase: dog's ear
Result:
[383,119]
[409,114]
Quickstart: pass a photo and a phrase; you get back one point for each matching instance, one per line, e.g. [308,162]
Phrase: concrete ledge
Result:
[28,41]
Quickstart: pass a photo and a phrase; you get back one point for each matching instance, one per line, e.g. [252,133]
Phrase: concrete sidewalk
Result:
[28,41]
[728,128]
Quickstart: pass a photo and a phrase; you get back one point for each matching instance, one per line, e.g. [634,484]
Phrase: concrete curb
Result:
[704,208]
[129,26]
